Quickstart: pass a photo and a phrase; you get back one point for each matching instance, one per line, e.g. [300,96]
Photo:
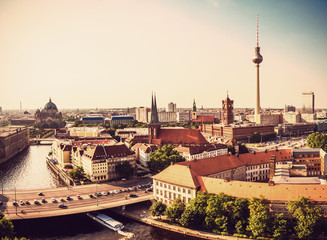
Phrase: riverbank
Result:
[141,213]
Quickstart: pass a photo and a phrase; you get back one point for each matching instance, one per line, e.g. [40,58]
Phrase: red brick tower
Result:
[228,115]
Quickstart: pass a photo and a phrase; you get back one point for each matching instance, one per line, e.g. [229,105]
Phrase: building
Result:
[93,120]
[173,136]
[241,176]
[12,141]
[308,102]
[142,151]
[228,115]
[49,116]
[183,116]
[116,120]
[22,121]
[142,114]
[171,107]
[236,132]
[298,129]
[183,180]
[289,108]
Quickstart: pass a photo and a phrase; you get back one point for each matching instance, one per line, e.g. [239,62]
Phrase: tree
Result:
[260,218]
[307,216]
[280,227]
[6,227]
[164,156]
[175,210]
[240,214]
[242,148]
[317,140]
[124,169]
[77,174]
[231,149]
[157,209]
[195,212]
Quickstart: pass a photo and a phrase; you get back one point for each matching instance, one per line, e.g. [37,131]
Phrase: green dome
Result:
[50,106]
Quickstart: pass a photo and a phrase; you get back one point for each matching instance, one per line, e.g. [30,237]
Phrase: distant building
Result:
[12,141]
[236,132]
[289,108]
[22,121]
[49,116]
[308,102]
[228,115]
[93,120]
[0,109]
[171,107]
[115,120]
[183,116]
[142,114]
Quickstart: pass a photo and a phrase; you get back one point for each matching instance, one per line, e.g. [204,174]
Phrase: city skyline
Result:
[87,54]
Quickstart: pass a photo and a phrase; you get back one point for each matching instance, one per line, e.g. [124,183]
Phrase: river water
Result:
[28,170]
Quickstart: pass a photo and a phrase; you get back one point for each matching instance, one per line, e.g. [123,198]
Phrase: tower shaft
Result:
[257,106]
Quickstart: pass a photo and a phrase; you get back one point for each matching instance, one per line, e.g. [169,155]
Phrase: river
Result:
[28,170]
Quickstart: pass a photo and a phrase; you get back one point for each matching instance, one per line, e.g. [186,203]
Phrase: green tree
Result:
[307,216]
[6,227]
[231,149]
[260,218]
[158,209]
[124,169]
[164,156]
[317,140]
[240,214]
[242,148]
[175,210]
[195,212]
[77,174]
[280,227]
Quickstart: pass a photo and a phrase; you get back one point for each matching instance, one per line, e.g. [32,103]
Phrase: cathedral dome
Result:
[50,106]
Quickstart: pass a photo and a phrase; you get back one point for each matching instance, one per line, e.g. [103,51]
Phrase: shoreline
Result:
[136,216]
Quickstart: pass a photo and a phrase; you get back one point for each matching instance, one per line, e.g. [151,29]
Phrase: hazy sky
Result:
[106,53]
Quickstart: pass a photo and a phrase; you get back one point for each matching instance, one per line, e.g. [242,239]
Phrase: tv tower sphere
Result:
[257,58]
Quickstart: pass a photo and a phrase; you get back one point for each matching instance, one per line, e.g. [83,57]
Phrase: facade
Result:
[289,108]
[288,129]
[183,116]
[12,141]
[308,102]
[236,132]
[97,157]
[142,151]
[22,121]
[49,116]
[311,159]
[228,115]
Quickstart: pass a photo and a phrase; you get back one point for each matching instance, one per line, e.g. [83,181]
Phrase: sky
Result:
[114,53]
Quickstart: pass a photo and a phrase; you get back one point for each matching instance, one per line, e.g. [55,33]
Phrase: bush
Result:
[240,235]
[215,231]
[224,233]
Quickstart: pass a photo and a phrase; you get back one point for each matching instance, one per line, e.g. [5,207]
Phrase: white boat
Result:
[106,221]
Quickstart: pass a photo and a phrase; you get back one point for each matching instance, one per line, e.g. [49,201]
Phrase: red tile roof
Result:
[205,119]
[181,136]
[222,163]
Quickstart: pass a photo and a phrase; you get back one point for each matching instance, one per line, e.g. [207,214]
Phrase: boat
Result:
[106,221]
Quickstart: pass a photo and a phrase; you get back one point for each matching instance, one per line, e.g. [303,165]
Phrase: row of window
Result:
[172,196]
[174,188]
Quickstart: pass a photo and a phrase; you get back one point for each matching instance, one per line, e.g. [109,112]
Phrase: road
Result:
[75,205]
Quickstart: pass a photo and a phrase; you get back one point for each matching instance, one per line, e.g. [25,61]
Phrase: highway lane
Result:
[73,206]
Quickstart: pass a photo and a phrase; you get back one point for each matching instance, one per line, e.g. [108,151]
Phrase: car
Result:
[68,198]
[53,200]
[62,199]
[133,195]
[61,205]
[43,200]
[79,197]
[21,202]
[91,196]
[109,192]
[1,203]
[150,189]
[99,194]
[14,203]
[104,194]
[36,202]
[40,194]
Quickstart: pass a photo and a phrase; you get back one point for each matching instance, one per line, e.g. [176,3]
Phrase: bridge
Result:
[43,141]
[73,206]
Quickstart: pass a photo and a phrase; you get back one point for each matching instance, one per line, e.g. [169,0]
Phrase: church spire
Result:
[154,111]
[194,105]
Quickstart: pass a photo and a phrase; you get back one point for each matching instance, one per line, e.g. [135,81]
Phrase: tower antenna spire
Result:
[257,30]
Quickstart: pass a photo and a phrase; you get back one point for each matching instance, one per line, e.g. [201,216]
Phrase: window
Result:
[179,189]
[189,191]
[184,190]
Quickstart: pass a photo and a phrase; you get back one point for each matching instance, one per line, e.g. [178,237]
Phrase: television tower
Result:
[257,59]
